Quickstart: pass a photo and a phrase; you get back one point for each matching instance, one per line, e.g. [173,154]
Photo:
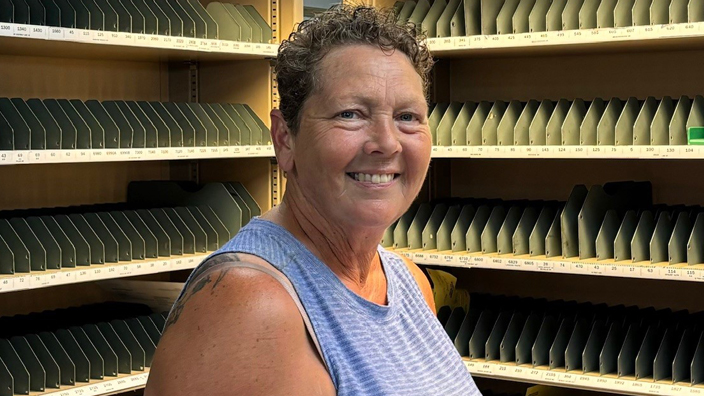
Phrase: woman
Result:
[302,301]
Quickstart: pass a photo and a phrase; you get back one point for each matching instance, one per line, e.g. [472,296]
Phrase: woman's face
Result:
[363,146]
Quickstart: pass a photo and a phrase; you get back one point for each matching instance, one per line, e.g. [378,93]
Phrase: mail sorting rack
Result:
[616,221]
[180,223]
[57,349]
[62,124]
[179,18]
[442,18]
[599,122]
[643,344]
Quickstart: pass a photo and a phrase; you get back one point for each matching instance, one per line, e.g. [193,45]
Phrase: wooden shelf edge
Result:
[570,152]
[42,279]
[113,386]
[611,384]
[620,269]
[18,157]
[19,39]
[686,35]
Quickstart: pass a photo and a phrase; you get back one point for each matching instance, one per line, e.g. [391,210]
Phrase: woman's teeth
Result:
[376,178]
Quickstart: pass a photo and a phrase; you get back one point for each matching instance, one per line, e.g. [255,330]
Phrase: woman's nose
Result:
[382,138]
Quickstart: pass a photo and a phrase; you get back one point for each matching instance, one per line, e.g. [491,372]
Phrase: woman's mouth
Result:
[374,178]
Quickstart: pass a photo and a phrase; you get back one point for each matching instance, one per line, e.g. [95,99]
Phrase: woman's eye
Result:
[347,115]
[406,117]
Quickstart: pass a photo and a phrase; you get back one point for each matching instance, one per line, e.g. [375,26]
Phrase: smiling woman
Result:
[303,301]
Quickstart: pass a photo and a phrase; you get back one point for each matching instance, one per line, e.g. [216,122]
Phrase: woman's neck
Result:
[350,253]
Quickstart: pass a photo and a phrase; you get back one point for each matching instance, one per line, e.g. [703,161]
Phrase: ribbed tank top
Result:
[369,349]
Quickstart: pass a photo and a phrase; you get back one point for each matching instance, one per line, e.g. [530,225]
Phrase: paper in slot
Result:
[537,20]
[537,132]
[507,125]
[504,20]
[443,132]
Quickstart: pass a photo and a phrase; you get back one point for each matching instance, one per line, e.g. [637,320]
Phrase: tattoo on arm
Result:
[201,278]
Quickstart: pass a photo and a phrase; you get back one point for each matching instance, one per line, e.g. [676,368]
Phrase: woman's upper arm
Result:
[422,281]
[235,331]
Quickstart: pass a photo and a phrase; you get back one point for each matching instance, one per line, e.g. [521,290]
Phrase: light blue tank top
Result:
[369,349]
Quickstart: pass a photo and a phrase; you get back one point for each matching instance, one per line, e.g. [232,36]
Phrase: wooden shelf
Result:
[576,380]
[141,154]
[621,269]
[42,279]
[113,386]
[655,37]
[574,152]
[16,39]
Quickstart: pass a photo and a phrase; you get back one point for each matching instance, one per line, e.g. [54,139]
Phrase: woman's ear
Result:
[283,140]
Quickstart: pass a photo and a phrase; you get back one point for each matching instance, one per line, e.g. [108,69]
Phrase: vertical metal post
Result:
[193,97]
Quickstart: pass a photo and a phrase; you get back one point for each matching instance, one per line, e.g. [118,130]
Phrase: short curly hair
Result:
[299,56]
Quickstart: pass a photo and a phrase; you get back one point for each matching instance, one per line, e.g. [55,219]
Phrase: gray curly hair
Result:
[299,57]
